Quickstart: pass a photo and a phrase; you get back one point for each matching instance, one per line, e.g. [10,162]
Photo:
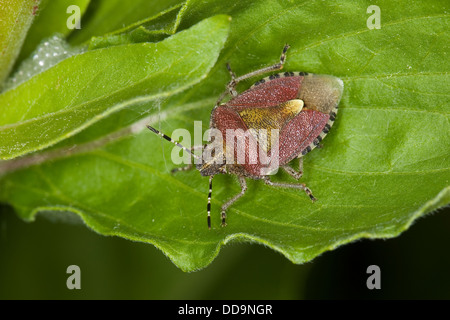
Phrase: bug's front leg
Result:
[227,204]
[231,87]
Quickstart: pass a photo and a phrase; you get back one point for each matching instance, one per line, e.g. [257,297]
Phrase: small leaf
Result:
[106,16]
[85,88]
[151,29]
[52,18]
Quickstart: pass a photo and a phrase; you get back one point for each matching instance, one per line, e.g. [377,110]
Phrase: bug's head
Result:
[212,161]
[210,169]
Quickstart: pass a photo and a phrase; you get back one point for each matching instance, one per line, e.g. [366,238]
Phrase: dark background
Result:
[34,258]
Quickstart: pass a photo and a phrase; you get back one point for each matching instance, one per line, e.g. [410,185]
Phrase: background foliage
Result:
[384,163]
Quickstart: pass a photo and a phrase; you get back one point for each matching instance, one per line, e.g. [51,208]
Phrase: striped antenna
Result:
[170,140]
[208,207]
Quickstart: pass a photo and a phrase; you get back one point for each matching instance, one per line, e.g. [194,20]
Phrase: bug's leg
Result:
[301,186]
[221,97]
[232,84]
[227,204]
[234,81]
[208,206]
[277,66]
[295,174]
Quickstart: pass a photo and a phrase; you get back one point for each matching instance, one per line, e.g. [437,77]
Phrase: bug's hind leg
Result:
[295,174]
[227,204]
[291,171]
[300,186]
[231,87]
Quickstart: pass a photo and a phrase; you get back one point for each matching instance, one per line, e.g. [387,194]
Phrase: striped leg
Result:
[234,81]
[208,206]
[300,165]
[232,84]
[227,204]
[301,186]
[296,175]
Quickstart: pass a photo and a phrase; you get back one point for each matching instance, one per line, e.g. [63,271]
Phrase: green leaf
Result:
[151,29]
[17,16]
[384,163]
[83,89]
[52,18]
[106,16]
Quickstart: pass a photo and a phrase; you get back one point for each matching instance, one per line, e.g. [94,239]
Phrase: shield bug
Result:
[286,114]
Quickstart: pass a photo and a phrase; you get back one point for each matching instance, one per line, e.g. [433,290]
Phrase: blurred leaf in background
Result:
[384,163]
[17,17]
[51,19]
[51,107]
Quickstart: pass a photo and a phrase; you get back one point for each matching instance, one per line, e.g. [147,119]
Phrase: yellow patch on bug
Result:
[270,118]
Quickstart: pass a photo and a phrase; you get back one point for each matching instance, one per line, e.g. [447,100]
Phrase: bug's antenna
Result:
[208,207]
[170,140]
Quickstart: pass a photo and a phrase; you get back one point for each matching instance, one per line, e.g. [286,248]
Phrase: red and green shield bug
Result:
[289,112]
